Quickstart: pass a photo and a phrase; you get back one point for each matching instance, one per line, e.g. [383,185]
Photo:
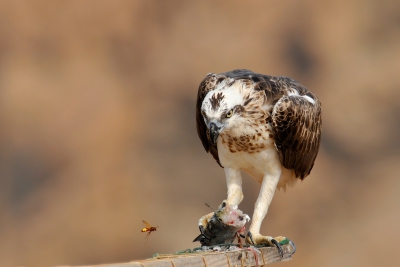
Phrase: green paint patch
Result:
[284,241]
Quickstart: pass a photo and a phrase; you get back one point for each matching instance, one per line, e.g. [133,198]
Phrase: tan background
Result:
[97,128]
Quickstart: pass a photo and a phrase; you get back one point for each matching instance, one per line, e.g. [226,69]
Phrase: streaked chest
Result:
[248,150]
[246,142]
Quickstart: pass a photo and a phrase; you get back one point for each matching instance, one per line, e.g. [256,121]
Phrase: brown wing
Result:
[207,85]
[296,126]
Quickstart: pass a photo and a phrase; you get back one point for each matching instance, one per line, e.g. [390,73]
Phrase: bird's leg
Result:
[267,191]
[234,184]
[223,225]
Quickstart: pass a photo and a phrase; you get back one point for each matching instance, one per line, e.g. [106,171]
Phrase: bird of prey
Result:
[266,126]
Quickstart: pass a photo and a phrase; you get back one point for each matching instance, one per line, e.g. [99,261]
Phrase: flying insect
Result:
[148,229]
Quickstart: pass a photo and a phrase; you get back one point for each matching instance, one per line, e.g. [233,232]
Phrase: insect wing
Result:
[146,224]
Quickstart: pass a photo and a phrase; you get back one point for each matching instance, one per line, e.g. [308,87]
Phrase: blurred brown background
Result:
[97,127]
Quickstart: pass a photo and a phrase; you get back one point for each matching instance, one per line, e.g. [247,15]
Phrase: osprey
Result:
[266,126]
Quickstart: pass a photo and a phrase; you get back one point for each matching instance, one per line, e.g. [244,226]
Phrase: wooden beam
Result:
[240,257]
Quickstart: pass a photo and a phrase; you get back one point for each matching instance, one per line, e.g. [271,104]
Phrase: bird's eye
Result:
[230,113]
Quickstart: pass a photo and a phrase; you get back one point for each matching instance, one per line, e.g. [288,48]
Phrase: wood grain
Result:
[241,257]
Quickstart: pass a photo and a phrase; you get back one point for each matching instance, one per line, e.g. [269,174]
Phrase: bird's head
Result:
[221,110]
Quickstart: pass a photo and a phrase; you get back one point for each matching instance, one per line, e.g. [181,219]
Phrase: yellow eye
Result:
[230,113]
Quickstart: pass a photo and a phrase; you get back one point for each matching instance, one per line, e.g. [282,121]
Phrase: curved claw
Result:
[276,243]
[250,235]
[293,246]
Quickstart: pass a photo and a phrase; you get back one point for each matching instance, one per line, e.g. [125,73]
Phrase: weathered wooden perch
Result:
[242,257]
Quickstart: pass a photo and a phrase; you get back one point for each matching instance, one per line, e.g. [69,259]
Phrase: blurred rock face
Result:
[97,126]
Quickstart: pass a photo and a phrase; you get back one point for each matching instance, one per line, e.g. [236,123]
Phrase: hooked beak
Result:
[214,132]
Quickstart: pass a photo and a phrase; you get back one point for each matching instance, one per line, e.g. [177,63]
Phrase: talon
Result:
[250,235]
[276,243]
[293,246]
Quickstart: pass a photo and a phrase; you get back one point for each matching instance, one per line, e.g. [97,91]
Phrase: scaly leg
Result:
[268,186]
[234,197]
[234,184]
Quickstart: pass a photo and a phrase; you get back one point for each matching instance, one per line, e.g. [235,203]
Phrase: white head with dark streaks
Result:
[222,109]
